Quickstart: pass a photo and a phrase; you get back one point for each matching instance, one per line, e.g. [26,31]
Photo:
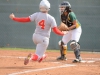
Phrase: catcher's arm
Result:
[73,26]
[21,19]
[63,27]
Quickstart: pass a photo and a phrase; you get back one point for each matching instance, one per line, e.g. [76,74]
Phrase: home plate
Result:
[90,61]
[83,61]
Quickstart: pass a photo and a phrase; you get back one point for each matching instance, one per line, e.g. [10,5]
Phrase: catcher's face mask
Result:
[61,9]
[63,6]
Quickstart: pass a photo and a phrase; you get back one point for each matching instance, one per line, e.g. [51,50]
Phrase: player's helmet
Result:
[64,6]
[44,5]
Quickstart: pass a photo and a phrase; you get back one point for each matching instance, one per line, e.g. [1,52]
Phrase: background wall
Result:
[14,34]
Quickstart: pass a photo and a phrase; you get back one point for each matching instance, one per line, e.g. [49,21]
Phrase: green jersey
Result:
[68,20]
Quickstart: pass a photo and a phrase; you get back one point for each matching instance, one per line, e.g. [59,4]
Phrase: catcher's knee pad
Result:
[60,42]
[74,45]
[63,47]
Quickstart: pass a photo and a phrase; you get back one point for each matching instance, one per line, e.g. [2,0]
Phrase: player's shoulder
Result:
[72,14]
[36,13]
[50,16]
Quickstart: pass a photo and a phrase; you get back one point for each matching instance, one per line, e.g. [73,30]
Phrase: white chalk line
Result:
[12,57]
[50,57]
[28,71]
[86,60]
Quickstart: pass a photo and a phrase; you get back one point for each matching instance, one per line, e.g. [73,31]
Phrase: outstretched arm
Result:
[57,31]
[21,19]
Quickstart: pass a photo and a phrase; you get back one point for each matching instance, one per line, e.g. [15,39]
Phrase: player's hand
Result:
[11,16]
[65,32]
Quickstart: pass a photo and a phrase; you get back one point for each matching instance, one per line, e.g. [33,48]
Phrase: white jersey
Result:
[44,23]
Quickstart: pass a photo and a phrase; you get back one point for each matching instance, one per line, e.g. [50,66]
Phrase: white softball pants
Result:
[41,43]
[72,35]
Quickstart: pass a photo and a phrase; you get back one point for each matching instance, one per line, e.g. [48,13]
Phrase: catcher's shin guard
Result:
[63,51]
[76,47]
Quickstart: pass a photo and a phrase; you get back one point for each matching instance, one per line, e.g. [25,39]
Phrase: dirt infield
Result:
[11,63]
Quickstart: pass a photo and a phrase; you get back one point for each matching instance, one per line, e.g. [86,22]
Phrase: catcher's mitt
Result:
[63,27]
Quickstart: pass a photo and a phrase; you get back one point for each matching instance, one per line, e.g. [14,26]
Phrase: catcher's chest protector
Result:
[66,20]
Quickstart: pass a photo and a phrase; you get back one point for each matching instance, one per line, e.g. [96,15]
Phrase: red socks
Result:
[34,57]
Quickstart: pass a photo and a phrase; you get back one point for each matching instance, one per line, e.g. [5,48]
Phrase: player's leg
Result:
[75,45]
[63,49]
[41,47]
[30,56]
[63,46]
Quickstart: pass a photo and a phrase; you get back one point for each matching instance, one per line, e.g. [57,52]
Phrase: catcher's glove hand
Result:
[63,27]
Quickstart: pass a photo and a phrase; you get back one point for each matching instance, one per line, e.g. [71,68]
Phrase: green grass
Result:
[26,49]
[20,49]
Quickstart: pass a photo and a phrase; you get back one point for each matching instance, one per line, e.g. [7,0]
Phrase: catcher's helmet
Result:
[44,5]
[64,6]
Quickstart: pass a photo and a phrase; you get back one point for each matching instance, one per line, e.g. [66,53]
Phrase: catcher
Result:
[69,23]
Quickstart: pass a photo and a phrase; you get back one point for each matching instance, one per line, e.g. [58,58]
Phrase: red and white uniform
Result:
[44,22]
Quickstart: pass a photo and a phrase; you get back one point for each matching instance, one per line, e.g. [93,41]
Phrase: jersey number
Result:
[42,24]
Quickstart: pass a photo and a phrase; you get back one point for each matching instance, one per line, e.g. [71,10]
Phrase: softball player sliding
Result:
[44,23]
[74,27]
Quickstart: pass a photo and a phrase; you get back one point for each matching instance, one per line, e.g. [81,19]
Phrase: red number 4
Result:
[42,24]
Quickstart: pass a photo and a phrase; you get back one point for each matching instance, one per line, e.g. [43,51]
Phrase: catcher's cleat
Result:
[27,59]
[62,58]
[77,60]
[44,56]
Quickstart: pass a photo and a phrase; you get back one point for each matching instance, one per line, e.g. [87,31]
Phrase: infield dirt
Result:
[12,63]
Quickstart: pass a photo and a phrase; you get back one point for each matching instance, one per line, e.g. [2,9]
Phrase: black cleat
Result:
[62,58]
[27,59]
[77,60]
